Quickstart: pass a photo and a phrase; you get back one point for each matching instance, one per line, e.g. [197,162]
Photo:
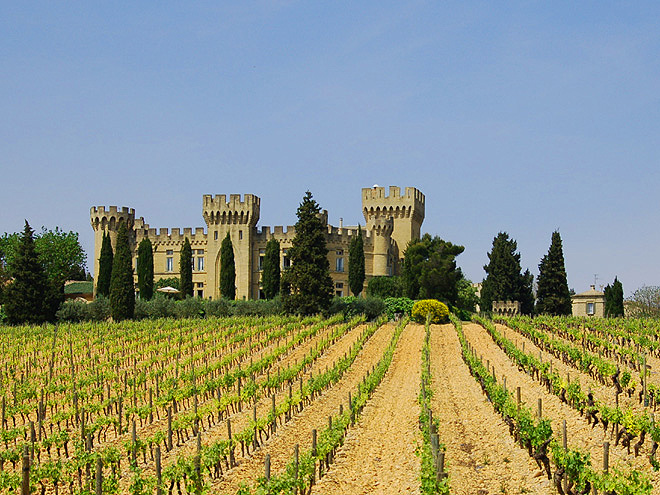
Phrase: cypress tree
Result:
[553,295]
[145,269]
[271,269]
[614,299]
[26,294]
[122,286]
[227,269]
[105,267]
[527,293]
[185,268]
[356,274]
[308,281]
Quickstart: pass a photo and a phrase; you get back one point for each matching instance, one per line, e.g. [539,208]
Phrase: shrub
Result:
[385,287]
[161,307]
[216,307]
[141,309]
[190,307]
[99,308]
[74,311]
[398,305]
[438,311]
[260,307]
[351,306]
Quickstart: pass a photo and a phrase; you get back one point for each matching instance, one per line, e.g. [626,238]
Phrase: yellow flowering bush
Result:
[438,311]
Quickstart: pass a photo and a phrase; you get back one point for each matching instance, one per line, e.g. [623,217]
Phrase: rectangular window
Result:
[340,252]
[215,235]
[200,294]
[240,235]
[340,265]
[590,308]
[339,285]
[339,293]
[200,264]
[262,255]
[170,264]
[286,262]
[169,252]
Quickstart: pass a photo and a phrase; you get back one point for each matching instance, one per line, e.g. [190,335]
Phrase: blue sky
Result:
[518,116]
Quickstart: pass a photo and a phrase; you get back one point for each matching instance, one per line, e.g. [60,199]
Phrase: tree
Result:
[553,295]
[356,274]
[384,287]
[430,271]
[271,269]
[26,295]
[614,299]
[145,269]
[122,287]
[467,296]
[644,303]
[105,267]
[503,281]
[308,281]
[227,269]
[185,269]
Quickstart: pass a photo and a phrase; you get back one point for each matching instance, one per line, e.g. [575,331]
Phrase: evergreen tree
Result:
[105,267]
[356,274]
[122,286]
[227,269]
[145,269]
[308,281]
[186,269]
[26,294]
[271,269]
[614,299]
[553,295]
[503,281]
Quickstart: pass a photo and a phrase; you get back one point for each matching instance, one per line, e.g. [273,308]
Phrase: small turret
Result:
[217,211]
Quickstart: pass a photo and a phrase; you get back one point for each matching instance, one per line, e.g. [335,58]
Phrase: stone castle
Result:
[392,220]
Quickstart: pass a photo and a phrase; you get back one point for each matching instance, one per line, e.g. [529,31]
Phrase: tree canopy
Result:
[105,267]
[308,281]
[356,273]
[644,302]
[186,269]
[614,299]
[553,296]
[271,269]
[122,286]
[145,269]
[227,269]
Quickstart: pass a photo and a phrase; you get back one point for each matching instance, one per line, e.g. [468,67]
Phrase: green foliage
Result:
[262,307]
[73,311]
[145,269]
[227,269]
[437,311]
[308,281]
[122,287]
[173,282]
[385,287]
[467,296]
[105,267]
[553,295]
[430,271]
[190,307]
[614,299]
[351,306]
[398,306]
[504,281]
[30,297]
[185,269]
[217,307]
[644,302]
[271,269]
[356,273]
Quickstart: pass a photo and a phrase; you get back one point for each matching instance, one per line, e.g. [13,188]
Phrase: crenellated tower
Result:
[406,212]
[108,220]
[239,217]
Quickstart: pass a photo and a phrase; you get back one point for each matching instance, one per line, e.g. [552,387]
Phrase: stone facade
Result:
[589,303]
[506,308]
[392,220]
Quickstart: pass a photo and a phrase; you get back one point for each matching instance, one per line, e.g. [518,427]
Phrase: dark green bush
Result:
[217,307]
[351,306]
[190,307]
[260,307]
[99,308]
[385,287]
[74,311]
[398,306]
[161,307]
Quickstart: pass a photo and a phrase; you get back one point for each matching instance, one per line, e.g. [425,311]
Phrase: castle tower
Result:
[239,218]
[382,234]
[406,211]
[109,220]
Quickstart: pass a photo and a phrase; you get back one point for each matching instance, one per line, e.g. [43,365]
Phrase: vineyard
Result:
[248,405]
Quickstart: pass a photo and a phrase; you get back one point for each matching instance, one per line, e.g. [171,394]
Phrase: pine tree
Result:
[227,269]
[105,267]
[614,299]
[26,294]
[271,269]
[553,295]
[185,268]
[308,281]
[122,286]
[356,274]
[145,269]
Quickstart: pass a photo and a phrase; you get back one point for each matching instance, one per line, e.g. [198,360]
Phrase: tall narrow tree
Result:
[271,269]
[25,295]
[614,299]
[185,268]
[308,281]
[122,286]
[105,267]
[227,269]
[145,269]
[356,274]
[553,295]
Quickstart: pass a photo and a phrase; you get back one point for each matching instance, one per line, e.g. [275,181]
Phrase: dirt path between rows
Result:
[314,416]
[481,456]
[378,455]
[579,433]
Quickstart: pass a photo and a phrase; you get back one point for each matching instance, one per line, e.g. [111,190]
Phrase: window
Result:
[590,308]
[340,265]
[200,293]
[170,264]
[339,293]
[262,255]
[286,262]
[215,235]
[340,252]
[339,285]
[200,264]
[240,235]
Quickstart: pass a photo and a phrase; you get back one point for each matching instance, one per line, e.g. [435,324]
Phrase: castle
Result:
[392,220]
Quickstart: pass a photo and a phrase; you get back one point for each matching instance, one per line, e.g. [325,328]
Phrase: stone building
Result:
[391,221]
[589,303]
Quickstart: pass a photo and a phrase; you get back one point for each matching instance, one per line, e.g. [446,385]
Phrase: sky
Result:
[524,117]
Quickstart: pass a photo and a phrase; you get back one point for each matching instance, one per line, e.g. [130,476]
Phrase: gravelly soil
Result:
[378,455]
[579,433]
[481,456]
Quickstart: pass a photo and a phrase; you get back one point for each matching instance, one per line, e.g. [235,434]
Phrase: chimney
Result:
[593,287]
[341,223]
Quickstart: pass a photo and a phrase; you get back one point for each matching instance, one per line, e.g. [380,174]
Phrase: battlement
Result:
[378,194]
[174,235]
[383,226]
[217,210]
[111,217]
[376,203]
